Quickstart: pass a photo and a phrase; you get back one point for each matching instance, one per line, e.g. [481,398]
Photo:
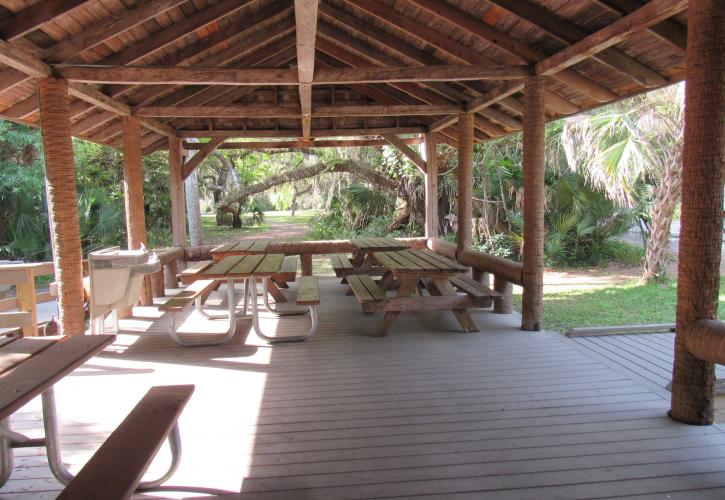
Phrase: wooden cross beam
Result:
[282,133]
[301,144]
[407,151]
[204,152]
[244,111]
[165,75]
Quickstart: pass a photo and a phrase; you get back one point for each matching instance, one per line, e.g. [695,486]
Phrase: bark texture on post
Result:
[693,380]
[62,203]
[534,163]
[431,187]
[176,190]
[465,180]
[133,195]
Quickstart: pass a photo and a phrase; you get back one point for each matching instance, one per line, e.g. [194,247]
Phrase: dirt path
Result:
[283,229]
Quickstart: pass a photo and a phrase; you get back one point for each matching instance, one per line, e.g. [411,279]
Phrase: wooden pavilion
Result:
[144,75]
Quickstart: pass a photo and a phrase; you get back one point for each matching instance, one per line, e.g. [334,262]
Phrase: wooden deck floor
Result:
[425,412]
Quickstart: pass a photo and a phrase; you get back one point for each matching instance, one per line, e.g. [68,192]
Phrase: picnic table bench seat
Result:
[466,284]
[287,273]
[116,469]
[341,264]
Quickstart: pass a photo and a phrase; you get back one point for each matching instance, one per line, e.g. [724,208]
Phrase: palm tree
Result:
[633,153]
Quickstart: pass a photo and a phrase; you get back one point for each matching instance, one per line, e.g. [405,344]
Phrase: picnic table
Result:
[362,261]
[30,366]
[287,272]
[249,268]
[416,271]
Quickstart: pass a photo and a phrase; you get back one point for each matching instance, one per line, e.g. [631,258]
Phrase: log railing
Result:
[705,339]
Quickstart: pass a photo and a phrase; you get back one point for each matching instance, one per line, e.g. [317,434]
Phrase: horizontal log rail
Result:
[508,269]
[705,339]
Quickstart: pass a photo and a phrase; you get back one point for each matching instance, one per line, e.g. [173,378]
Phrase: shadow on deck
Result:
[426,411]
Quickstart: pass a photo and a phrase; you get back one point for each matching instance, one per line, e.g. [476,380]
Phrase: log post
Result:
[431,186]
[133,195]
[306,264]
[505,303]
[693,384]
[485,279]
[534,163]
[62,203]
[465,180]
[176,190]
[170,271]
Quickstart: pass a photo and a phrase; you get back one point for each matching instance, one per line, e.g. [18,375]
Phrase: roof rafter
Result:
[31,18]
[507,44]
[568,32]
[202,154]
[651,13]
[407,151]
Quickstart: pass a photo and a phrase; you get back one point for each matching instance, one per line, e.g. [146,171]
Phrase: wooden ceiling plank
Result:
[106,29]
[568,32]
[31,18]
[206,150]
[407,151]
[306,32]
[651,13]
[167,36]
[669,30]
[506,43]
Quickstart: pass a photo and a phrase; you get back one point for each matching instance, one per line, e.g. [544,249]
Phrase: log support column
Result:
[693,384]
[533,163]
[178,206]
[62,203]
[133,195]
[431,186]
[465,180]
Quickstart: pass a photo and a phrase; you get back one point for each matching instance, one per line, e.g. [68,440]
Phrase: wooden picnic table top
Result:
[243,266]
[244,247]
[418,263]
[377,244]
[30,365]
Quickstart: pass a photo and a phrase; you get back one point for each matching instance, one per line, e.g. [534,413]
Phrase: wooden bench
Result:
[468,285]
[195,292]
[368,293]
[188,275]
[308,294]
[341,264]
[116,469]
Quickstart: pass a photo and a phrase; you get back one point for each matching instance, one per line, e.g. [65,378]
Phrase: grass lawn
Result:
[629,303]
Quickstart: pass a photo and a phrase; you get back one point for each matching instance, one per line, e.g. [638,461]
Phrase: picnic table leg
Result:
[278,340]
[6,452]
[441,286]
[386,281]
[407,285]
[357,258]
[266,282]
[273,289]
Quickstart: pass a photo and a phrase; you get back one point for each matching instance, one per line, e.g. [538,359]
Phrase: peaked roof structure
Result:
[309,69]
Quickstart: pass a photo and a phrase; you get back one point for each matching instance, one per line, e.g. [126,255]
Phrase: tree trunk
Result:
[662,213]
[193,211]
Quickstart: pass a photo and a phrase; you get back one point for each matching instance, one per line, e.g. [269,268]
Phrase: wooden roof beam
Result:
[306,30]
[669,30]
[651,13]
[505,43]
[204,152]
[243,111]
[305,144]
[281,133]
[407,151]
[31,18]
[568,32]
[145,75]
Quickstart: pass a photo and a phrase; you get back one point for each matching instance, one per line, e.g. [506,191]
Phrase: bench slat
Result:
[308,291]
[118,466]
[18,350]
[365,289]
[185,297]
[471,287]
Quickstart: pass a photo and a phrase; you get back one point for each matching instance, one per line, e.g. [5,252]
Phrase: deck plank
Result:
[427,412]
